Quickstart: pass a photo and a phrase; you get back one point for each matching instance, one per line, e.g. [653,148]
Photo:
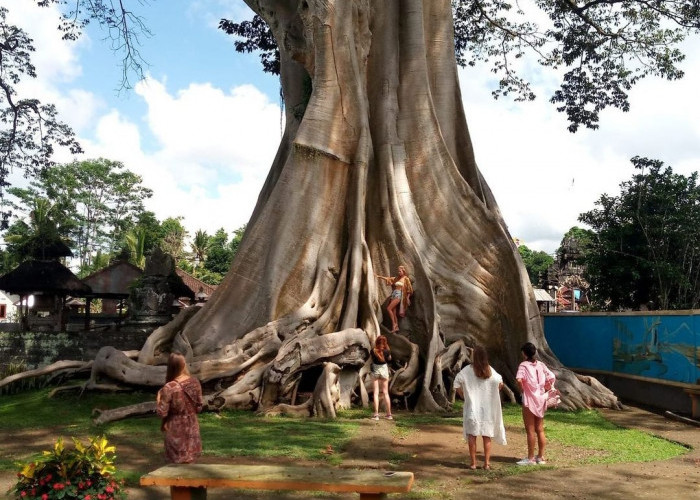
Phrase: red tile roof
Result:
[193,283]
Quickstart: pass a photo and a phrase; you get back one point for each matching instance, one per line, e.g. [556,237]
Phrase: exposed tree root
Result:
[158,344]
[57,368]
[101,417]
[323,402]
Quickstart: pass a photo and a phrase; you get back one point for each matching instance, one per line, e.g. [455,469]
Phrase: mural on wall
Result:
[658,347]
[654,345]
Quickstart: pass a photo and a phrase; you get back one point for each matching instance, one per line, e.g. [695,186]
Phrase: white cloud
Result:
[543,177]
[214,150]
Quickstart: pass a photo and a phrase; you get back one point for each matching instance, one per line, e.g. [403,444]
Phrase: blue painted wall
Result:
[655,345]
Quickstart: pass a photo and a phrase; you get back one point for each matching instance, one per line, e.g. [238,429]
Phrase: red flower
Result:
[109,489]
[23,493]
[89,483]
[48,477]
[45,496]
[102,496]
[81,485]
[88,497]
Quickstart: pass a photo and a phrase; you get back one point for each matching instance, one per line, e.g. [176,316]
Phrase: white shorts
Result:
[379,371]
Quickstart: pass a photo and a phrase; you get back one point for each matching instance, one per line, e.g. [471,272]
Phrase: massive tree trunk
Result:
[375,169]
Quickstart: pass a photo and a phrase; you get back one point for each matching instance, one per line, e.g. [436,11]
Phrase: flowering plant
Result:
[84,472]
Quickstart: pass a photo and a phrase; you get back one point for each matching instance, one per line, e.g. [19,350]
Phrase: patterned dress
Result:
[178,406]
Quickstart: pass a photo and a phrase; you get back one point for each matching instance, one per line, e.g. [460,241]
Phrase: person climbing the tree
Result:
[379,371]
[400,296]
[479,385]
[534,379]
[178,403]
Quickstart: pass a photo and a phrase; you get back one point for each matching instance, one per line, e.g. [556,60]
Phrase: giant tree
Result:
[376,169]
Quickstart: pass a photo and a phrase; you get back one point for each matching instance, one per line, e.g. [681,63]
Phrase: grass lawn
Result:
[585,435]
[586,430]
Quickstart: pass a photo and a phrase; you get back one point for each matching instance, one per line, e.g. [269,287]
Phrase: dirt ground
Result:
[437,455]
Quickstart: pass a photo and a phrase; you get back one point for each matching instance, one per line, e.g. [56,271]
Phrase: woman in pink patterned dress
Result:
[178,403]
[534,379]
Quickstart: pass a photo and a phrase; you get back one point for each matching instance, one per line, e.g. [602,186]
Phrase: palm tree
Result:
[135,240]
[200,248]
[42,239]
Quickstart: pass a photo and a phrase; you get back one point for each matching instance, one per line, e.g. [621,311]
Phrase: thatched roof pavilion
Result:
[43,276]
[50,281]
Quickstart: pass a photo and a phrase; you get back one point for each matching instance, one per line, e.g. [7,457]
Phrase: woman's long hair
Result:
[529,350]
[380,345]
[176,366]
[480,362]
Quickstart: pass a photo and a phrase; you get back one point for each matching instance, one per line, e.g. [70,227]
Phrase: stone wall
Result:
[38,349]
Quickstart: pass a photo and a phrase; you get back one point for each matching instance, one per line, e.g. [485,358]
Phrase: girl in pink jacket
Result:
[534,379]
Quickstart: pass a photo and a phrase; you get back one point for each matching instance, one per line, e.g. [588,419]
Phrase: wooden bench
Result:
[694,401]
[190,481]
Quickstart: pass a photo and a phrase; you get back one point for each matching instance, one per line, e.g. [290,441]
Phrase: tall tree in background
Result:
[376,169]
[200,246]
[210,256]
[173,237]
[41,237]
[536,263]
[220,254]
[237,238]
[29,130]
[152,228]
[100,199]
[647,243]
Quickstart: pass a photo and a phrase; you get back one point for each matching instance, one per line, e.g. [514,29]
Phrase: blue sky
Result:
[203,128]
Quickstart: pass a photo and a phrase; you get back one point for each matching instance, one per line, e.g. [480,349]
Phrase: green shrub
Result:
[84,472]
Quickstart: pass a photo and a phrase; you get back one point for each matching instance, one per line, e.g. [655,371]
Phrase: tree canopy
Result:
[29,130]
[210,257]
[601,48]
[536,263]
[646,246]
[97,201]
[41,237]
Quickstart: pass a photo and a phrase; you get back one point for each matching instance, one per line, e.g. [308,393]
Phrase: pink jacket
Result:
[534,376]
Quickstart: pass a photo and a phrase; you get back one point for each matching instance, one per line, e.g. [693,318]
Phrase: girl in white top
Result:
[480,385]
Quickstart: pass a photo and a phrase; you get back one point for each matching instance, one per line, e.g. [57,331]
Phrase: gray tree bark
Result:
[375,169]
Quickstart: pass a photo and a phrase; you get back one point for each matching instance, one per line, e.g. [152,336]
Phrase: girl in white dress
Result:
[480,385]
